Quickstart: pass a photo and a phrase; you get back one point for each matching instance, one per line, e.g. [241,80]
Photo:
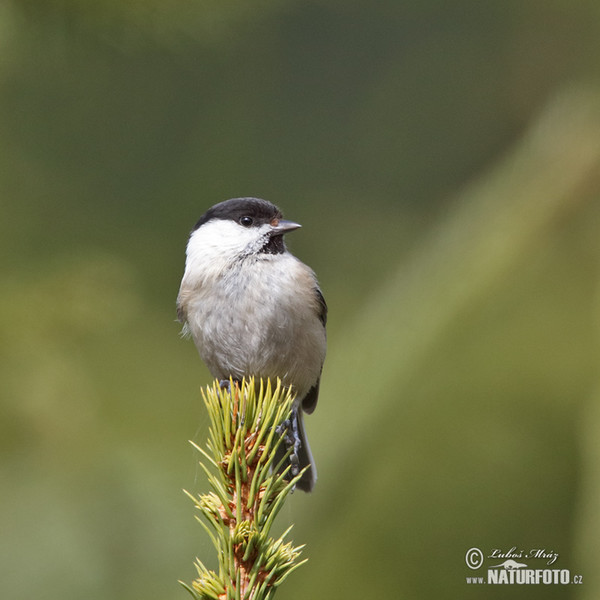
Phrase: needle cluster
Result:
[248,490]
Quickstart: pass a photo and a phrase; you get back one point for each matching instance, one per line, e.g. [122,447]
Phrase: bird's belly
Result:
[253,334]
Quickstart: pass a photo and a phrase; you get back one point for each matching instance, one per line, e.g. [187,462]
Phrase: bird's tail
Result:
[301,456]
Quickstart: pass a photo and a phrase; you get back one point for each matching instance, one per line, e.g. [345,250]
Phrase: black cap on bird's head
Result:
[255,216]
[249,212]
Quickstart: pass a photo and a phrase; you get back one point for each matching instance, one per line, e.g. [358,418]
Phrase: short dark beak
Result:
[284,226]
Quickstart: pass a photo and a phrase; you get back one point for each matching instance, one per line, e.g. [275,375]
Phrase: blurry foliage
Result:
[135,23]
[448,190]
[43,323]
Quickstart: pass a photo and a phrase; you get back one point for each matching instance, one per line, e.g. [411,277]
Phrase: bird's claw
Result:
[291,439]
[225,384]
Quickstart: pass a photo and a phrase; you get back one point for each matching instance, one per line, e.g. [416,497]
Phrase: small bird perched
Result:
[254,309]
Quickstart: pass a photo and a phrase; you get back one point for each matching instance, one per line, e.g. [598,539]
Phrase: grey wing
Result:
[181,312]
[182,316]
[309,402]
[322,306]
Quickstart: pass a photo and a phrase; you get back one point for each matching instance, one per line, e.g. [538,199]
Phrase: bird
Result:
[254,309]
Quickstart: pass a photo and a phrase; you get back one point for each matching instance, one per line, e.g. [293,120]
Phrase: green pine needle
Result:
[248,492]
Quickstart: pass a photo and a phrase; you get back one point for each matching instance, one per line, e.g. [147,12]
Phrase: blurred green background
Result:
[444,160]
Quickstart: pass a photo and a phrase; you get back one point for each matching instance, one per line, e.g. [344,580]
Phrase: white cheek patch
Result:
[226,240]
[218,244]
[219,237]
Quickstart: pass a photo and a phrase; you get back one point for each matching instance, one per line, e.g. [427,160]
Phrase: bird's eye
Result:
[246,221]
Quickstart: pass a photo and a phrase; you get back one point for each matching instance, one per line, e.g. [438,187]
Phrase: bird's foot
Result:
[291,439]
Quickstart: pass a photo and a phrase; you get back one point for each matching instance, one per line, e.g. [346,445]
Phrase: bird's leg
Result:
[291,439]
[225,384]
